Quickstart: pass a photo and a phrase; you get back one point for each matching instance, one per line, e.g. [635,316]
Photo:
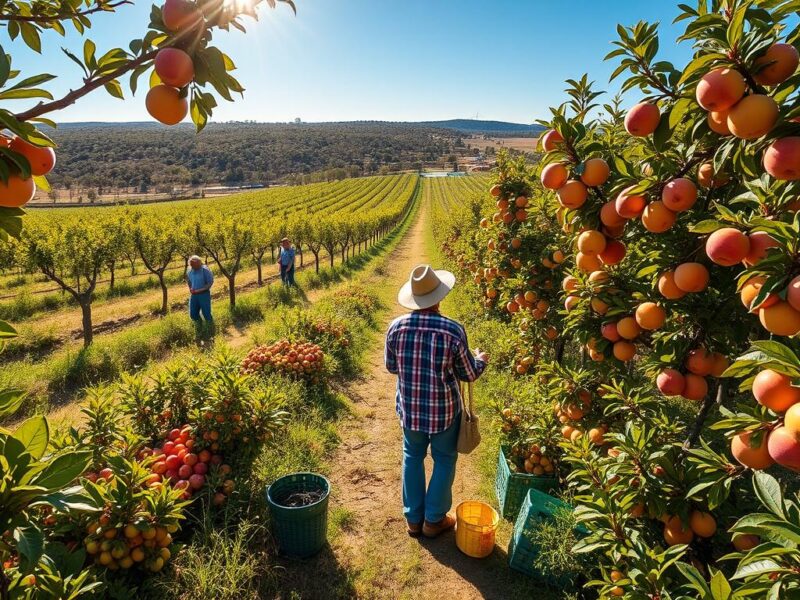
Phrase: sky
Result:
[410,60]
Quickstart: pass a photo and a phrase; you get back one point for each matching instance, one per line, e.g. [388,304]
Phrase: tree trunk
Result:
[258,269]
[344,250]
[316,261]
[185,268]
[163,285]
[86,314]
[330,255]
[232,289]
[112,270]
[272,251]
[300,249]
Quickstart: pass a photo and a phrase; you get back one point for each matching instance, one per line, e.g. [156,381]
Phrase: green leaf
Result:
[696,580]
[757,568]
[34,434]
[5,67]
[30,543]
[115,89]
[30,35]
[769,493]
[720,588]
[10,401]
[89,48]
[63,469]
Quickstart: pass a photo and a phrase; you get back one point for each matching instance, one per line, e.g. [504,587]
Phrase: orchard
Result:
[647,276]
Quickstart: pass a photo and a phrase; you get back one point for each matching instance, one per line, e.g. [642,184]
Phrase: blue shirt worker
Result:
[200,279]
[286,262]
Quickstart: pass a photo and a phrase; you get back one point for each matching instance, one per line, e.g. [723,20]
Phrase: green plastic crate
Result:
[299,531]
[512,488]
[537,507]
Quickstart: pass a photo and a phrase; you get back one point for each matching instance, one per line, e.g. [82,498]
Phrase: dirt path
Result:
[373,557]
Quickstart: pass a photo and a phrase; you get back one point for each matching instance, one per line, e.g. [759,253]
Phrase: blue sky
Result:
[386,60]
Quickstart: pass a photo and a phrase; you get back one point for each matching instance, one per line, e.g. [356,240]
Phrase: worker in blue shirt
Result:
[286,262]
[200,279]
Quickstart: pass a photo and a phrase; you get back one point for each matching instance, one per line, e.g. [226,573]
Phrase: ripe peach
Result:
[792,293]
[718,122]
[642,119]
[41,159]
[754,116]
[554,176]
[496,190]
[587,262]
[595,172]
[720,89]
[174,67]
[613,253]
[599,306]
[754,457]
[165,105]
[778,63]
[751,289]
[782,159]
[746,541]
[671,382]
[591,242]
[609,215]
[667,287]
[571,302]
[791,419]
[180,14]
[759,243]
[598,278]
[727,246]
[16,191]
[676,532]
[628,205]
[780,319]
[691,277]
[696,387]
[569,283]
[609,331]
[572,194]
[720,364]
[628,328]
[551,140]
[657,218]
[679,194]
[624,351]
[784,448]
[700,362]
[650,315]
[775,391]
[702,523]
[707,178]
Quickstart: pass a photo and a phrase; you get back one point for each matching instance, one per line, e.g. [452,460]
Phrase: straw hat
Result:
[426,287]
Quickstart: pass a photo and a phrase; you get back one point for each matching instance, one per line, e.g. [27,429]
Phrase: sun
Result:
[239,5]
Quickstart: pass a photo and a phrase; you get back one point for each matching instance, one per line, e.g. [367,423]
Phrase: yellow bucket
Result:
[476,526]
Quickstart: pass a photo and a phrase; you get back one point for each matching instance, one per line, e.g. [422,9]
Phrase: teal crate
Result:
[512,488]
[536,508]
[300,531]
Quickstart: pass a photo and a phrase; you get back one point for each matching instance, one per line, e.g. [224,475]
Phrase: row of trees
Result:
[672,358]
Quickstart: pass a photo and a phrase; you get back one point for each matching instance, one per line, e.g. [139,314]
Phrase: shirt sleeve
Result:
[466,366]
[389,355]
[209,277]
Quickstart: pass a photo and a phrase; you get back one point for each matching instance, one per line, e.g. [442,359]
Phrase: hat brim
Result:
[409,300]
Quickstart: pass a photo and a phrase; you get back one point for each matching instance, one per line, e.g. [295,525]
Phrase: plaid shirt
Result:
[429,354]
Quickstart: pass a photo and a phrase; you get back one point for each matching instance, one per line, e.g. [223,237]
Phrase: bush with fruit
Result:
[296,360]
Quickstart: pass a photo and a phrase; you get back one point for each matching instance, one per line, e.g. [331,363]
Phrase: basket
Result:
[299,531]
[537,507]
[512,487]
[476,527]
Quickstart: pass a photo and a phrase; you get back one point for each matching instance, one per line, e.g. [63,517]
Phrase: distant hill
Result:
[484,127]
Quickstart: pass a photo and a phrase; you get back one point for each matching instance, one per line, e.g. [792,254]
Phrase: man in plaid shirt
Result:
[429,354]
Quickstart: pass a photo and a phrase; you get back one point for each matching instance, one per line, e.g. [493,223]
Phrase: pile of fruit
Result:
[530,459]
[179,462]
[116,544]
[299,360]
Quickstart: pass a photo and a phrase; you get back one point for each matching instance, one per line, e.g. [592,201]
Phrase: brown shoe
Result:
[431,530]
[414,529]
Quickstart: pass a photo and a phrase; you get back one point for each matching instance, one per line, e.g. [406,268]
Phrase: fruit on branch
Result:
[727,246]
[754,116]
[624,351]
[629,204]
[551,140]
[628,328]
[793,293]
[642,119]
[668,288]
[657,218]
[588,263]
[676,532]
[174,67]
[41,159]
[165,104]
[671,382]
[707,178]
[650,316]
[700,362]
[784,448]
[778,63]
[720,89]
[775,391]
[613,253]
[696,387]
[591,242]
[595,172]
[702,524]
[181,15]
[679,194]
[572,194]
[780,318]
[753,457]
[718,122]
[745,541]
[782,159]
[554,176]
[751,289]
[16,191]
[691,277]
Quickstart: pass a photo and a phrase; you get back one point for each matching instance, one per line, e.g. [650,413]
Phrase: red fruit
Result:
[196,481]
[174,67]
[42,160]
[720,89]
[185,471]
[201,468]
[782,158]
[168,447]
[190,459]
[671,382]
[180,14]
[219,499]
[181,484]
[174,434]
[224,469]
[727,246]
[173,462]
[216,459]
[172,475]
[106,474]
[784,448]
[160,467]
[204,456]
[609,331]
[613,253]
[679,194]
[642,119]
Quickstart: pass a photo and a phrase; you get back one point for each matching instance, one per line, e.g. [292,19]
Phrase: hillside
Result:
[473,126]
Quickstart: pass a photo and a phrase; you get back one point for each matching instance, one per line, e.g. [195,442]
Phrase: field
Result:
[522,144]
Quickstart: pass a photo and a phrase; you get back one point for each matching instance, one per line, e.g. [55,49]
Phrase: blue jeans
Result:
[287,276]
[433,504]
[200,303]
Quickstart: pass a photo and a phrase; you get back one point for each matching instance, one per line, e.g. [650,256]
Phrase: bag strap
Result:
[463,400]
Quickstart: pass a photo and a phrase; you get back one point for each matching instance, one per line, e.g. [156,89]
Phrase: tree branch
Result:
[91,85]
[694,432]
[45,19]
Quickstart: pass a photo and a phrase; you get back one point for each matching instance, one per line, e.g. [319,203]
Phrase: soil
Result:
[373,556]
[297,499]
